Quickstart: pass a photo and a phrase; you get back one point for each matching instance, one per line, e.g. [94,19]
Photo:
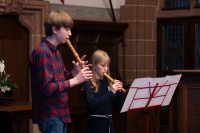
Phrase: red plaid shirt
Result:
[49,83]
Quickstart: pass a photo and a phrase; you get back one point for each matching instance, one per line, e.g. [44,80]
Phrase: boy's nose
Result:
[69,33]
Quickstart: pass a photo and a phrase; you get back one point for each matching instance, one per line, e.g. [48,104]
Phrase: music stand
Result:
[147,93]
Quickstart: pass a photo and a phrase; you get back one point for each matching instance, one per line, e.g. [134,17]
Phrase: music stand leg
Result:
[154,122]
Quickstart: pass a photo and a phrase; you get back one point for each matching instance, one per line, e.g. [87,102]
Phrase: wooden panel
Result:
[184,107]
[86,36]
[1,48]
[10,27]
[14,52]
[14,44]
[16,66]
[86,50]
[194,108]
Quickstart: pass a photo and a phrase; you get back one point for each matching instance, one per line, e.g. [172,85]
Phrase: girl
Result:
[102,99]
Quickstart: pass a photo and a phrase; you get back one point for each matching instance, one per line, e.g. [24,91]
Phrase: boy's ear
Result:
[54,29]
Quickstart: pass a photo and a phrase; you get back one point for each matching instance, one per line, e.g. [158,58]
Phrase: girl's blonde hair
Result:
[58,19]
[98,57]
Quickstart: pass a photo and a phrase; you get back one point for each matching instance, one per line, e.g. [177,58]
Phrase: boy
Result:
[49,78]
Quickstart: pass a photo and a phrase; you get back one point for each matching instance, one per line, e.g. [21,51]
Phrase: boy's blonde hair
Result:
[98,57]
[58,19]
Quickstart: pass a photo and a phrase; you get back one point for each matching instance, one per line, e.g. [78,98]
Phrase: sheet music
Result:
[150,92]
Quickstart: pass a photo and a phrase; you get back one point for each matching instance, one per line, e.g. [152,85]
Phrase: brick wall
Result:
[140,52]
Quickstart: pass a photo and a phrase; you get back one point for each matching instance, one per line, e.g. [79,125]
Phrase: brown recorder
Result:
[79,60]
[109,78]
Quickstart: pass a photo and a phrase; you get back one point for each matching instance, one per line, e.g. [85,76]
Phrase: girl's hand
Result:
[117,86]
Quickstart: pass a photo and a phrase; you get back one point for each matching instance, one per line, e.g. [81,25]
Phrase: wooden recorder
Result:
[79,60]
[111,80]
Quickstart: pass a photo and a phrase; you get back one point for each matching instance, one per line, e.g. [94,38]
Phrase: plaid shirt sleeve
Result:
[68,75]
[51,74]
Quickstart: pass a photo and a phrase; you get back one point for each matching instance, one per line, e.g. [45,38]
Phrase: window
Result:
[178,44]
[197,4]
[197,46]
[173,44]
[176,4]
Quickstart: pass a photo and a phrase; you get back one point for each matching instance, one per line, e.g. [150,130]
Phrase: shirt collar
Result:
[49,44]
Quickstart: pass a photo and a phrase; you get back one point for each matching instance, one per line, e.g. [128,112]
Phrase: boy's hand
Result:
[84,74]
[77,68]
